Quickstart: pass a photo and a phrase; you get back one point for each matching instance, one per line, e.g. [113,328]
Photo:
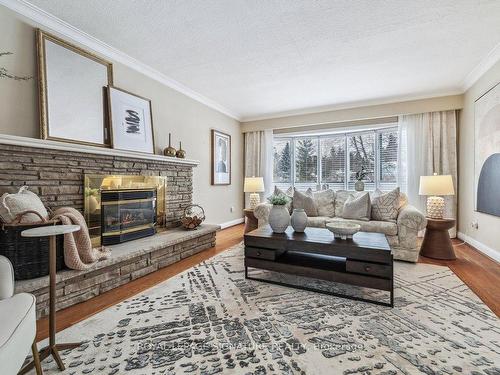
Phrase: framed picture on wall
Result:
[131,121]
[221,158]
[487,152]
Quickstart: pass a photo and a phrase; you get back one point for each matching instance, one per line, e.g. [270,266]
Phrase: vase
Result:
[279,218]
[299,220]
[359,186]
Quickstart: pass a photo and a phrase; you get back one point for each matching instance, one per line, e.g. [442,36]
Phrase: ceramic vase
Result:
[279,218]
[359,186]
[299,220]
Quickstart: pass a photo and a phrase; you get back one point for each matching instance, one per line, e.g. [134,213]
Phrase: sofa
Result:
[401,233]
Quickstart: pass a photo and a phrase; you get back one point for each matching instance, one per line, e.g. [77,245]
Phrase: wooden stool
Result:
[437,242]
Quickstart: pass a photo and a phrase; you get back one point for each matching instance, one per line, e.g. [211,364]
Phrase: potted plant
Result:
[279,217]
[360,175]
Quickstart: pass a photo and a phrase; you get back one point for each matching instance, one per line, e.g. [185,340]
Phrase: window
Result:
[282,171]
[331,161]
[306,163]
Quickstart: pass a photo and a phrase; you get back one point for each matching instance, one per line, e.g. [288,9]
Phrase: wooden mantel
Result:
[64,146]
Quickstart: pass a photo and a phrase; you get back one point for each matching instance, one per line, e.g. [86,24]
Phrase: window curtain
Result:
[259,159]
[427,145]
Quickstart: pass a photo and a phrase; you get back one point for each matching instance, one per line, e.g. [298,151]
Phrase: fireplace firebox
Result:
[127,215]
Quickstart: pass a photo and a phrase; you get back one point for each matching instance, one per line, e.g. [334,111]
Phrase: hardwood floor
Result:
[479,272]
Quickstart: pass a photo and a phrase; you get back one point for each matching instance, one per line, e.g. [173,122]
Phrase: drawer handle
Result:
[258,253]
[368,268]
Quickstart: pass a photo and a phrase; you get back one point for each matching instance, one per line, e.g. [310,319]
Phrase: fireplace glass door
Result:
[127,215]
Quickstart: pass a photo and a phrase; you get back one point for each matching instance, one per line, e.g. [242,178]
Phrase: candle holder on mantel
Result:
[181,154]
[169,151]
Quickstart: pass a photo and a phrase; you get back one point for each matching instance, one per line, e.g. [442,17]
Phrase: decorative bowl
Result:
[343,230]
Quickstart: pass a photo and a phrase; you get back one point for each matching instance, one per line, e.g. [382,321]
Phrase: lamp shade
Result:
[436,185]
[253,185]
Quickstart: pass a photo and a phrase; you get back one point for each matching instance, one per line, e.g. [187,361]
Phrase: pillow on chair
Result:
[12,205]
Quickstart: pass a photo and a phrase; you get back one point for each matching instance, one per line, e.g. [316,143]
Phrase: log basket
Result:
[29,256]
[194,215]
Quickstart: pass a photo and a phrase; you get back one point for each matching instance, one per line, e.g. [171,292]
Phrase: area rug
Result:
[211,320]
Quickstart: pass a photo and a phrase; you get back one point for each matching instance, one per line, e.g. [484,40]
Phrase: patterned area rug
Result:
[211,320]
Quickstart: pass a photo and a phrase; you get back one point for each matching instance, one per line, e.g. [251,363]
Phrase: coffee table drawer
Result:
[255,252]
[366,268]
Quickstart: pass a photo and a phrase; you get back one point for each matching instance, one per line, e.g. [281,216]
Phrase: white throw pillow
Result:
[325,202]
[385,206]
[12,205]
[357,207]
[305,201]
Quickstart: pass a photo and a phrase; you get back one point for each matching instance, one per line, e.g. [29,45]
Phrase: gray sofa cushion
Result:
[317,221]
[386,227]
[305,201]
[325,202]
[357,206]
[340,198]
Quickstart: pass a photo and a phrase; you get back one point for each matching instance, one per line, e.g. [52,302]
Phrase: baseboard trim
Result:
[231,223]
[486,250]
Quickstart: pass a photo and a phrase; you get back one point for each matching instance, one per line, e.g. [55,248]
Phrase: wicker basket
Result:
[29,256]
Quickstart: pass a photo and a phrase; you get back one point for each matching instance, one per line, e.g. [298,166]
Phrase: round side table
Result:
[251,223]
[437,243]
[52,348]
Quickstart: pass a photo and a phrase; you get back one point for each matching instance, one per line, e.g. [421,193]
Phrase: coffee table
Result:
[365,260]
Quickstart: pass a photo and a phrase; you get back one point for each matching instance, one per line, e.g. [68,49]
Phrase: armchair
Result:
[18,328]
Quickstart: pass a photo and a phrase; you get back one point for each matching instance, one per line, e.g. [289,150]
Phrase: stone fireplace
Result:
[62,176]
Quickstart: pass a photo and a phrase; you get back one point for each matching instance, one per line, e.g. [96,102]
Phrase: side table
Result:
[437,243]
[52,348]
[251,222]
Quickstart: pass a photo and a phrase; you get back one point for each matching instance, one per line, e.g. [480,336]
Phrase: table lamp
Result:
[435,187]
[254,185]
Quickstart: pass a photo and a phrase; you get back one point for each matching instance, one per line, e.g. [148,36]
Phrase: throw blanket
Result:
[78,251]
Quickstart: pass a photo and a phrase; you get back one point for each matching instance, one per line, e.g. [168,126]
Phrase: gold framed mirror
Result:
[72,92]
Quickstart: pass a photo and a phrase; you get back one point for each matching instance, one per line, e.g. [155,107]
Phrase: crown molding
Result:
[484,65]
[58,26]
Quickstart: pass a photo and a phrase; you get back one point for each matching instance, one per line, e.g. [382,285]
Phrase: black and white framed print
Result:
[131,121]
[221,158]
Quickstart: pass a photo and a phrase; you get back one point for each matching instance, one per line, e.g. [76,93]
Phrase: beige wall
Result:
[187,119]
[488,233]
[442,103]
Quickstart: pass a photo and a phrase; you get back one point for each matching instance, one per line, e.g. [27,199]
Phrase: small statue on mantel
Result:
[181,154]
[169,151]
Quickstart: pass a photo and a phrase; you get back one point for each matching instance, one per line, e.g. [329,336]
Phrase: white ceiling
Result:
[258,58]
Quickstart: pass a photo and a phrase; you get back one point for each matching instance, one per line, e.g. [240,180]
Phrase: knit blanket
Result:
[78,251]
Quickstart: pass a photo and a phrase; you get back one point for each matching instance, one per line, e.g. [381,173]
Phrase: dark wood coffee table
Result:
[364,261]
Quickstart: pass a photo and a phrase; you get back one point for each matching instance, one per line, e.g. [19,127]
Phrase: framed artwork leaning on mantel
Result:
[220,158]
[72,85]
[131,121]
